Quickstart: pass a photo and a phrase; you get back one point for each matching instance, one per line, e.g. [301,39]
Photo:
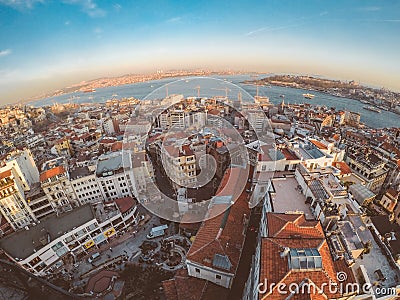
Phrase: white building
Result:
[12,199]
[57,186]
[85,186]
[39,202]
[115,175]
[180,164]
[25,166]
[41,249]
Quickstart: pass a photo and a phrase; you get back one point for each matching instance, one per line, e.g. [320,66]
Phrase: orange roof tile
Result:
[275,268]
[52,172]
[288,154]
[116,146]
[222,234]
[5,174]
[343,167]
[319,145]
[124,204]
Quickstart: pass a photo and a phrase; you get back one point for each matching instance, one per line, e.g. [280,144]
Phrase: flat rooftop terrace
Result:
[23,243]
[288,199]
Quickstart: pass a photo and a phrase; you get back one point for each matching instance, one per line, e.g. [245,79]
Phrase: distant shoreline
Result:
[92,85]
[336,88]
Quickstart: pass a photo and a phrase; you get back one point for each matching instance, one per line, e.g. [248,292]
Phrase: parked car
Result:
[93,257]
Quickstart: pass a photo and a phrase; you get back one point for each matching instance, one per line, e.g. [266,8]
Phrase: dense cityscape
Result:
[199,150]
[77,205]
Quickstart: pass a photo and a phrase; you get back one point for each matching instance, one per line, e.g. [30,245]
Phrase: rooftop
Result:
[24,243]
[360,193]
[375,259]
[309,151]
[219,241]
[125,204]
[183,286]
[343,167]
[288,198]
[51,173]
[110,163]
[296,251]
[79,172]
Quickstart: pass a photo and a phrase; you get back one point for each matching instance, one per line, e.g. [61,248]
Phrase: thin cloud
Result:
[324,13]
[89,7]
[98,32]
[175,20]
[272,29]
[21,4]
[379,20]
[5,52]
[117,7]
[256,31]
[369,8]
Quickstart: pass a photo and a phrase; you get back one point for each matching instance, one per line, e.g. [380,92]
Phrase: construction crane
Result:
[198,91]
[225,89]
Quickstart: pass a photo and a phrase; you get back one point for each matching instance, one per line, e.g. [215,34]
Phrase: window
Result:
[197,270]
[218,277]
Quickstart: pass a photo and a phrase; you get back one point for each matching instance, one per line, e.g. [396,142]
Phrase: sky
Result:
[49,44]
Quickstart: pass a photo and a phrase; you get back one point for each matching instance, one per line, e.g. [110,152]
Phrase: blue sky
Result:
[47,44]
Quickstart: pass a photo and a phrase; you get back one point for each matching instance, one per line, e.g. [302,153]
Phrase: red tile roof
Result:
[52,172]
[125,204]
[5,174]
[343,167]
[184,287]
[319,145]
[288,154]
[116,146]
[223,234]
[294,231]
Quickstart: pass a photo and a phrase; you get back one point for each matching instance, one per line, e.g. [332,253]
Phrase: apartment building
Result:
[180,164]
[42,248]
[85,186]
[38,202]
[56,184]
[293,251]
[114,175]
[13,206]
[368,166]
[25,166]
[215,253]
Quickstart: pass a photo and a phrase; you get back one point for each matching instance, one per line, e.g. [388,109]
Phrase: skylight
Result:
[305,259]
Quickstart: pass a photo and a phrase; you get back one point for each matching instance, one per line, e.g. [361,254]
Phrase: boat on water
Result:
[372,108]
[383,107]
[308,96]
[282,96]
[89,90]
[364,101]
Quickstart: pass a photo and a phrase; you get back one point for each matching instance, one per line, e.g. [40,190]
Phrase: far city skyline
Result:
[47,45]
